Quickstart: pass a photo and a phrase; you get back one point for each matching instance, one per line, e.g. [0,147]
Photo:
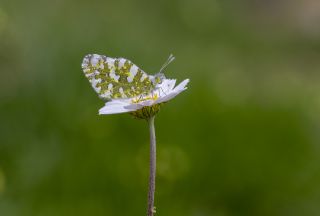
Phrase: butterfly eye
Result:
[159,77]
[158,80]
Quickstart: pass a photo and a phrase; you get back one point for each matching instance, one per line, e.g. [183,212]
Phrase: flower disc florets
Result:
[146,112]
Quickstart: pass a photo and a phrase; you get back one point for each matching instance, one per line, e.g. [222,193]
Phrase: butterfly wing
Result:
[115,78]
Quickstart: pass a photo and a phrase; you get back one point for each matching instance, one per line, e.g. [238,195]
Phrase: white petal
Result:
[167,85]
[182,85]
[147,103]
[177,90]
[168,96]
[141,104]
[134,106]
[115,106]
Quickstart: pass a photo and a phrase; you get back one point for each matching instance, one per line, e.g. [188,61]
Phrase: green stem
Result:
[152,177]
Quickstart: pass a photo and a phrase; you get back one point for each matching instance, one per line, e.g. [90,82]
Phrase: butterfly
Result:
[115,78]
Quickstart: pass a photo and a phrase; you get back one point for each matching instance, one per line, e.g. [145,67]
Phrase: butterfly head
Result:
[158,78]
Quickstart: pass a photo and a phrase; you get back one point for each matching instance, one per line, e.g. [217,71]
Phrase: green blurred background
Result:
[242,140]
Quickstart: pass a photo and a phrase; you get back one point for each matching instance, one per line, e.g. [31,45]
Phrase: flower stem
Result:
[152,177]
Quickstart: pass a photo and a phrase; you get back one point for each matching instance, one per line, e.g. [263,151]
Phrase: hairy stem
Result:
[152,177]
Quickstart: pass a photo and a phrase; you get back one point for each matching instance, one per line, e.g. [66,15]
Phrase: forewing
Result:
[115,78]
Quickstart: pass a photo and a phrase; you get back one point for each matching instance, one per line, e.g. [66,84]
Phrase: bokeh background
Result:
[242,140]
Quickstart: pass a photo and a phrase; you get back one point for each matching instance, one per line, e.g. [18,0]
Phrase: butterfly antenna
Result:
[169,60]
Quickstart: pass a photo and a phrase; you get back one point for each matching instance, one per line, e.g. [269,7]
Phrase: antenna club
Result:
[169,60]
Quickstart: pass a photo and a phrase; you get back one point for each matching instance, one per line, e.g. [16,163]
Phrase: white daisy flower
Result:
[128,89]
[145,105]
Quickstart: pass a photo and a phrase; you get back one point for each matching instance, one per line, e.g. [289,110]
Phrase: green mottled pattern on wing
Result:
[115,78]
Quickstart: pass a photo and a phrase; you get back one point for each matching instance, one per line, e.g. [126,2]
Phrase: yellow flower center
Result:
[145,98]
